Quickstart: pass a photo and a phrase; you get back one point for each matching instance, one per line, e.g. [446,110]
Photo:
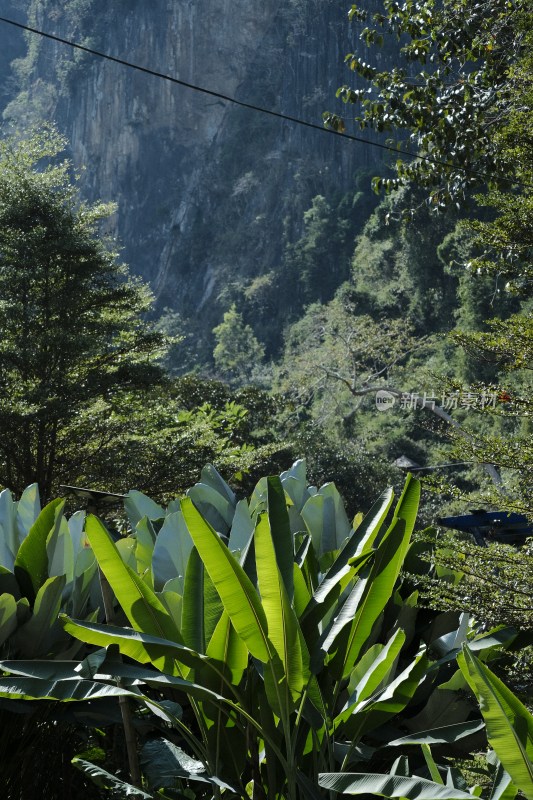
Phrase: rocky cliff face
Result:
[209,194]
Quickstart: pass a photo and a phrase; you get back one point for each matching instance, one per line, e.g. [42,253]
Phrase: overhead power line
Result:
[241,103]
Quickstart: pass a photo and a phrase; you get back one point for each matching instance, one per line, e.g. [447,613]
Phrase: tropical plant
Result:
[270,634]
[46,567]
[509,727]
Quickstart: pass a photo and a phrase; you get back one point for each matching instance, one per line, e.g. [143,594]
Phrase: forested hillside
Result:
[211,197]
[271,260]
[262,267]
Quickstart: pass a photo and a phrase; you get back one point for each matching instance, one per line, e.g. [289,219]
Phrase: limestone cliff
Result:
[209,194]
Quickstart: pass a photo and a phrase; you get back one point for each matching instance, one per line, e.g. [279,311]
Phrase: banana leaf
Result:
[412,788]
[8,616]
[171,551]
[60,551]
[280,531]
[28,509]
[375,667]
[283,628]
[137,505]
[60,690]
[9,543]
[36,637]
[342,643]
[165,764]
[145,538]
[509,724]
[228,648]
[448,734]
[166,655]
[109,782]
[193,612]
[31,563]
[141,606]
[236,591]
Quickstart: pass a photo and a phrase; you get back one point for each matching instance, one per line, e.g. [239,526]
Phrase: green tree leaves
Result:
[72,334]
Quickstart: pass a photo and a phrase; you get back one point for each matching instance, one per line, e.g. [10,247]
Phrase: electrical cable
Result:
[243,104]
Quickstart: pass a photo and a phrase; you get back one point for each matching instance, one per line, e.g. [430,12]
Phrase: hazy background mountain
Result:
[211,197]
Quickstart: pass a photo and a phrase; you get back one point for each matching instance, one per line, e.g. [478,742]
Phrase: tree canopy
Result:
[73,335]
[452,88]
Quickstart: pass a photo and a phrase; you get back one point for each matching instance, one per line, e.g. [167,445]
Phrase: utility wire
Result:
[241,103]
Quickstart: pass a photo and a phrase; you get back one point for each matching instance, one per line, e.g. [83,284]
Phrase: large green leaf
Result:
[60,551]
[283,628]
[509,724]
[236,591]
[137,505]
[228,648]
[280,531]
[76,526]
[9,542]
[448,734]
[213,506]
[353,625]
[242,529]
[36,637]
[144,611]
[109,782]
[171,552]
[344,569]
[165,655]
[407,507]
[43,669]
[145,537]
[31,563]
[319,517]
[374,667]
[28,509]
[370,527]
[413,788]
[192,610]
[211,477]
[391,700]
[340,529]
[65,691]
[502,786]
[105,669]
[8,616]
[350,560]
[165,764]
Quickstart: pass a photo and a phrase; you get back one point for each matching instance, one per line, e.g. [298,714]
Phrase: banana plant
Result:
[509,724]
[287,630]
[281,630]
[46,567]
[509,731]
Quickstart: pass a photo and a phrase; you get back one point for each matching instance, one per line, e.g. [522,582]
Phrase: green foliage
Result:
[237,352]
[45,567]
[461,94]
[467,112]
[509,723]
[73,338]
[495,582]
[275,639]
[509,731]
